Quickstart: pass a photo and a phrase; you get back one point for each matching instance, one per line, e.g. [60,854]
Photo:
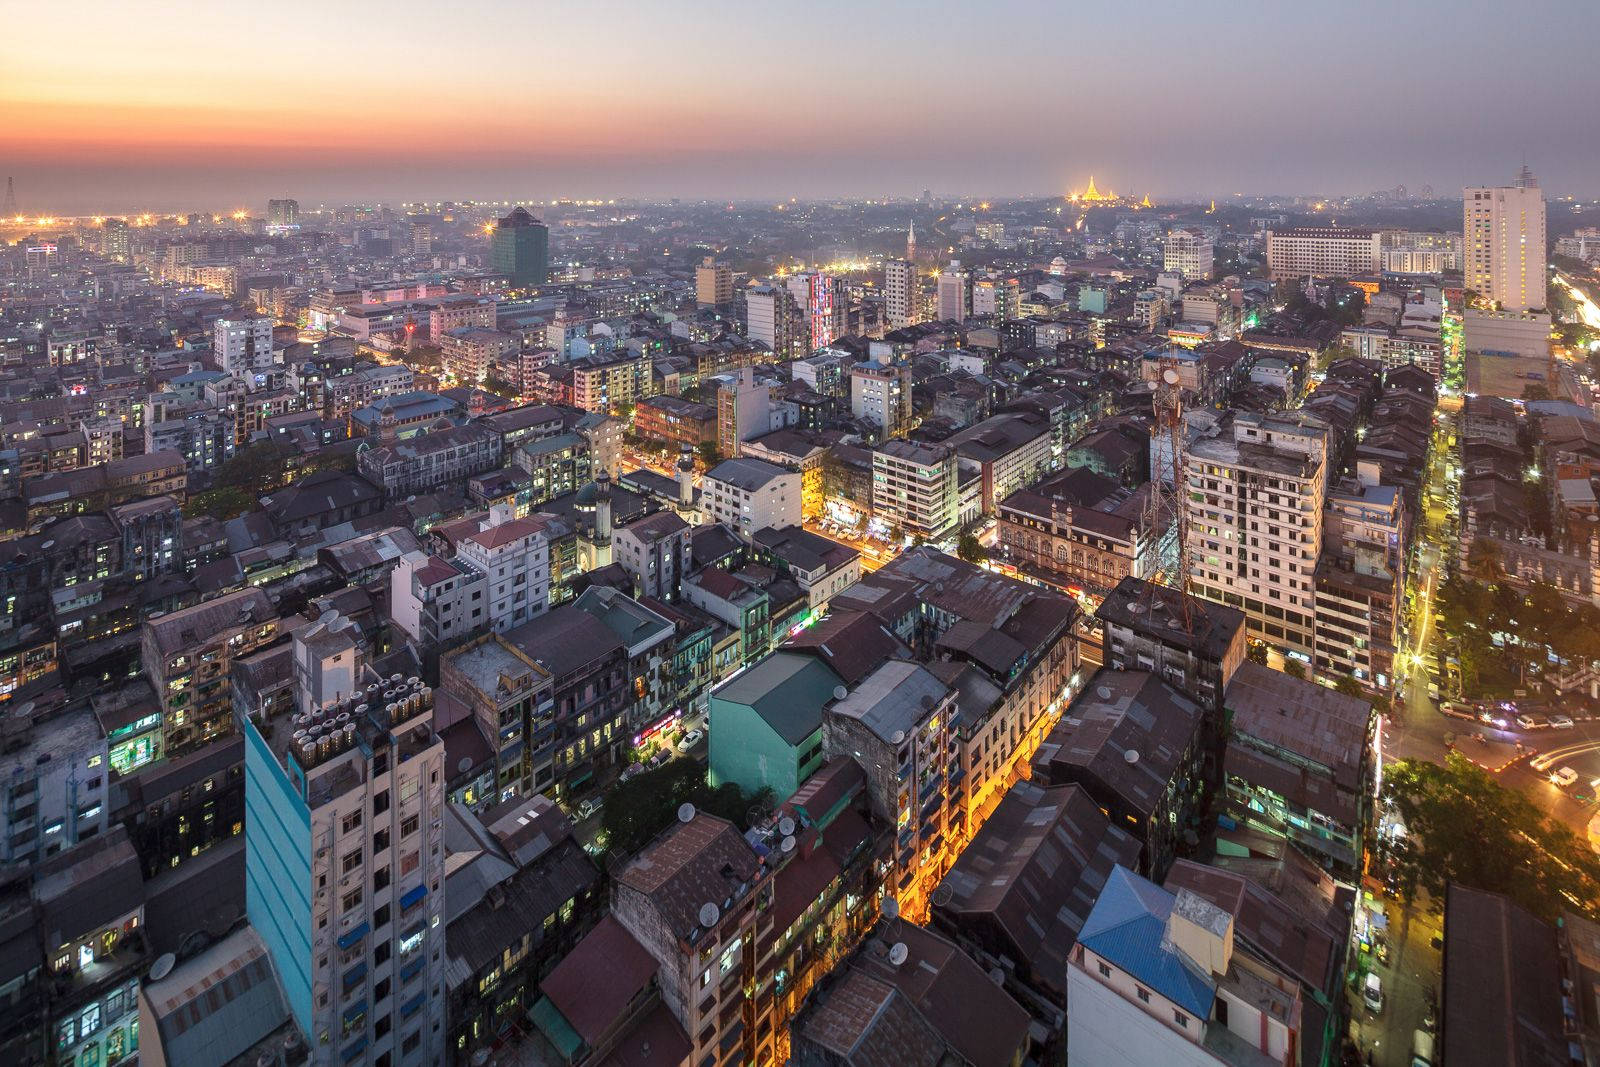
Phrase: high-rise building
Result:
[114,240]
[880,393]
[900,295]
[242,346]
[772,319]
[955,294]
[1322,252]
[344,869]
[822,306]
[743,412]
[283,212]
[914,487]
[1255,523]
[1187,252]
[521,249]
[713,283]
[1505,243]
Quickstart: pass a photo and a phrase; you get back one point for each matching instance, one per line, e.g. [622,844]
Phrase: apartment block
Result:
[1255,513]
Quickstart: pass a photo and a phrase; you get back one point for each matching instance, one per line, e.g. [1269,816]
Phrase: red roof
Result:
[594,984]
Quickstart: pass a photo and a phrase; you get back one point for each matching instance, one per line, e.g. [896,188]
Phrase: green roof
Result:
[787,690]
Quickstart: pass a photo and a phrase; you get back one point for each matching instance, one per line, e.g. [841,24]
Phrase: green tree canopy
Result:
[971,549]
[1463,826]
[640,808]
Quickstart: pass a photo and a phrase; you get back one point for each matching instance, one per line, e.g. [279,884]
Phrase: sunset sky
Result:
[189,104]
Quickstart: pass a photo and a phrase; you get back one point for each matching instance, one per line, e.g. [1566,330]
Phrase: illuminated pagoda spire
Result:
[911,242]
[1146,201]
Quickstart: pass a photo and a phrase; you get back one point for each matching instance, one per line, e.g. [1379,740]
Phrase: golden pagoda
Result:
[1146,201]
[1093,195]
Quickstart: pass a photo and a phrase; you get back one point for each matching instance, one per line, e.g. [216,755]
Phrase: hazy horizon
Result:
[216,107]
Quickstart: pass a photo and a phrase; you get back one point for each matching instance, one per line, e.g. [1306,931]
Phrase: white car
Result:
[1528,722]
[690,739]
[1564,777]
[1561,722]
[590,807]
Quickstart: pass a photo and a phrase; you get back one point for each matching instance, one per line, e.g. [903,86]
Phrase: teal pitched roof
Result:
[787,690]
[1128,926]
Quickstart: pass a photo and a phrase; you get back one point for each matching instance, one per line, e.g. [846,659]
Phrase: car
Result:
[1561,722]
[1372,994]
[1531,722]
[1564,777]
[690,739]
[590,807]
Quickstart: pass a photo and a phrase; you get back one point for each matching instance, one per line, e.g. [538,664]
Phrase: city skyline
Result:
[504,103]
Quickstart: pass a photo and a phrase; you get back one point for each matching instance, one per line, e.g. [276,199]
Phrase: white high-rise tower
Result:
[1504,247]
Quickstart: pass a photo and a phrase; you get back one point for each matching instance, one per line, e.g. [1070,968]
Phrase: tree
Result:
[707,451]
[1294,669]
[257,468]
[971,549]
[1463,826]
[640,808]
[1257,653]
[223,503]
[1349,687]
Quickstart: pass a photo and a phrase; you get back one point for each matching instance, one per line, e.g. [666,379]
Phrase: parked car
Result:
[1372,994]
[590,807]
[690,739]
[1564,777]
[1561,722]
[1531,722]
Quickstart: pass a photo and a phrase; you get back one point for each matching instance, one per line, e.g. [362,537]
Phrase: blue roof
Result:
[1128,927]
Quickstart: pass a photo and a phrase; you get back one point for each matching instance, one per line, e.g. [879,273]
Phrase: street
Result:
[1411,982]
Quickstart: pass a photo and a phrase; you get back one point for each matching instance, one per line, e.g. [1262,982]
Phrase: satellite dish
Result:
[1132,755]
[997,976]
[891,908]
[786,826]
[162,966]
[465,765]
[1170,376]
[686,813]
[1103,692]
[840,692]
[898,953]
[788,844]
[709,913]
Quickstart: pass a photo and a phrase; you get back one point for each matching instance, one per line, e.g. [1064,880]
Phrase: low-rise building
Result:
[1156,977]
[1299,761]
[766,723]
[1021,890]
[1137,746]
[749,495]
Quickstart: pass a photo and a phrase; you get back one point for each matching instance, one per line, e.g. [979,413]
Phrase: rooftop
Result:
[703,861]
[745,473]
[787,690]
[1299,716]
[1036,867]
[1129,730]
[1157,611]
[893,700]
[1128,927]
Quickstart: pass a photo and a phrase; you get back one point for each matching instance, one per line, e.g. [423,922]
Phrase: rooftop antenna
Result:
[9,208]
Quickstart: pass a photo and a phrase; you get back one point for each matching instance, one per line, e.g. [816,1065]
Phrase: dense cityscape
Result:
[1096,628]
